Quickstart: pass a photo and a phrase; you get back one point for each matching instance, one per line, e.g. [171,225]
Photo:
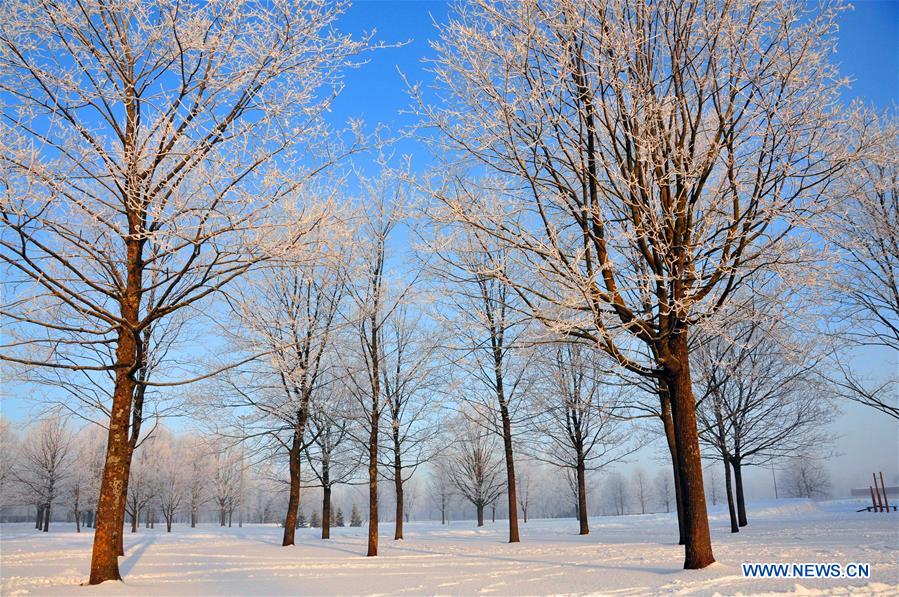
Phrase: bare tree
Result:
[142,482]
[643,160]
[523,491]
[760,397]
[376,303]
[199,476]
[804,477]
[864,232]
[9,447]
[143,143]
[642,488]
[409,376]
[663,490]
[580,419]
[474,467]
[617,494]
[87,470]
[172,485]
[225,481]
[332,457]
[44,464]
[288,311]
[488,320]
[441,488]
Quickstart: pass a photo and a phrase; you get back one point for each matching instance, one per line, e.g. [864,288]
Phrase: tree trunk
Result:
[734,528]
[39,519]
[510,463]
[47,517]
[668,424]
[398,483]
[111,503]
[698,543]
[373,485]
[582,496]
[293,503]
[193,517]
[326,512]
[480,508]
[443,511]
[741,498]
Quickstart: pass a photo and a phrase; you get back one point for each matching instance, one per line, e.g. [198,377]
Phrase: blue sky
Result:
[868,51]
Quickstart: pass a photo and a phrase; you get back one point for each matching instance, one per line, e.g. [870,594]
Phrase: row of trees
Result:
[628,198]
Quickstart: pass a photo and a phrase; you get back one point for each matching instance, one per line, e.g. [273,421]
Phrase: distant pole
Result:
[774,477]
[877,493]
[886,502]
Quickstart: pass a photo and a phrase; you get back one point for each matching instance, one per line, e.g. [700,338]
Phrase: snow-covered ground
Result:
[630,555]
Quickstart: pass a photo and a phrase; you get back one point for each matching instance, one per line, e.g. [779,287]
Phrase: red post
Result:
[873,501]
[879,507]
[886,502]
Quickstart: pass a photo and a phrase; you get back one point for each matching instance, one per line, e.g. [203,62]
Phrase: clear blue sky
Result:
[868,52]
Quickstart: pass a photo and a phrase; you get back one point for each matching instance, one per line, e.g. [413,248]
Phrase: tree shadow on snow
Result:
[134,555]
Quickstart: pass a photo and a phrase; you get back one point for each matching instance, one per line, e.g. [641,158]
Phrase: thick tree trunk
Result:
[47,518]
[480,508]
[734,527]
[111,503]
[582,497]
[293,502]
[443,512]
[741,497]
[326,512]
[668,424]
[698,543]
[39,519]
[193,517]
[121,513]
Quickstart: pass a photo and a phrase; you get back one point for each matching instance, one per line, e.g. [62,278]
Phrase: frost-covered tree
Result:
[410,380]
[172,458]
[805,477]
[333,459]
[865,232]
[376,295]
[663,490]
[488,327]
[44,464]
[760,396]
[287,312]
[475,468]
[579,418]
[9,448]
[640,161]
[146,149]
